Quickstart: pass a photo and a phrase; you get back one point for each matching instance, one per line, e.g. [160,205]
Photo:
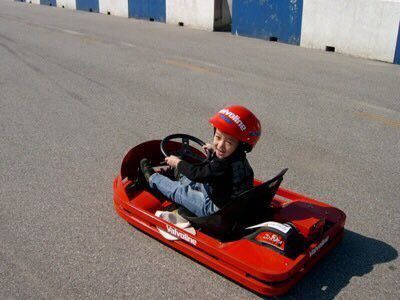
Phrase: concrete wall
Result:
[88,5]
[268,19]
[115,7]
[48,2]
[367,28]
[147,9]
[397,54]
[192,13]
[70,4]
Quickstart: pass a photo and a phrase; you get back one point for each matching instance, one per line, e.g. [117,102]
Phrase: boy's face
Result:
[224,144]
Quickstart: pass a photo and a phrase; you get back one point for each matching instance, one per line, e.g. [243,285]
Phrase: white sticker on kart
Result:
[319,246]
[172,234]
[279,226]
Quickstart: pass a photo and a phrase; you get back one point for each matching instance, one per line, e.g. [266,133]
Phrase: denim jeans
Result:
[192,195]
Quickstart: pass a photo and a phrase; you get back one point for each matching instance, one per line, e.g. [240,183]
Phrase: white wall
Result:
[193,13]
[33,1]
[115,7]
[71,4]
[366,28]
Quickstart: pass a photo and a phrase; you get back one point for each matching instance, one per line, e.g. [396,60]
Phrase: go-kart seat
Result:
[251,207]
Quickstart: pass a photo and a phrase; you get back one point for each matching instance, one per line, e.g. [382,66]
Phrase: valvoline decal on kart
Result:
[267,239]
[271,238]
[319,246]
[181,235]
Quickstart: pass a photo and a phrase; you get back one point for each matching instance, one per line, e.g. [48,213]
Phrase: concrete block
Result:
[366,28]
[48,2]
[276,20]
[397,52]
[153,10]
[191,13]
[70,4]
[114,7]
[88,5]
[201,14]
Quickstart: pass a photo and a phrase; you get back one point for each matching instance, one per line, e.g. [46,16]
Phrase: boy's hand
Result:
[172,161]
[209,147]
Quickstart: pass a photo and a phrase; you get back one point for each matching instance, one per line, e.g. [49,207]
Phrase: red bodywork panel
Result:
[257,267]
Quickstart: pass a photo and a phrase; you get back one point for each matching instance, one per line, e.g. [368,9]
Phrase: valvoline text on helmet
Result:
[235,118]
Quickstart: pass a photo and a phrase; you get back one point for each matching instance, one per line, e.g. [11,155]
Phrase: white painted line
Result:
[72,32]
[129,45]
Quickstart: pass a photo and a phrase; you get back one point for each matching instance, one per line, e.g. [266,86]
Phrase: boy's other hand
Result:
[172,161]
[209,147]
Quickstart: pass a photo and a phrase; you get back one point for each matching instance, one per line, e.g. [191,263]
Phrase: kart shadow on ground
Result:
[356,255]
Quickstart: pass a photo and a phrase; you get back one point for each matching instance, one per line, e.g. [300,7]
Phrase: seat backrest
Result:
[256,201]
[246,208]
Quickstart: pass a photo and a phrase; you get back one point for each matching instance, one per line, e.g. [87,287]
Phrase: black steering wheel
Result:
[185,150]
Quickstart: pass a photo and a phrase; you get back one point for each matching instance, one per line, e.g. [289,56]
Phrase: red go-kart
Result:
[266,239]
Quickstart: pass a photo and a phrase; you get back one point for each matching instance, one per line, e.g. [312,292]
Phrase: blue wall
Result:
[88,5]
[264,19]
[48,2]
[147,9]
[397,53]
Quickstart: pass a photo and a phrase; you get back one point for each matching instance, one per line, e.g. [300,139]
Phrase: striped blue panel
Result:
[268,19]
[397,53]
[88,5]
[48,2]
[147,9]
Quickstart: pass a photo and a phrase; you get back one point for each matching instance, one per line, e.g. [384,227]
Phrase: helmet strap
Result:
[245,147]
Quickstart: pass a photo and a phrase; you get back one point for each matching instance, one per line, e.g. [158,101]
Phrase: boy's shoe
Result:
[146,169]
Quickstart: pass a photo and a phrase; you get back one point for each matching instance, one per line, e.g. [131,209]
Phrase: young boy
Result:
[205,188]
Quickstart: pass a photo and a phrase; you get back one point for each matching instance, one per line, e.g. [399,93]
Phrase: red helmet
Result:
[238,122]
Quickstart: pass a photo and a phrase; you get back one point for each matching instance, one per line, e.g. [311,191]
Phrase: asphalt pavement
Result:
[78,90]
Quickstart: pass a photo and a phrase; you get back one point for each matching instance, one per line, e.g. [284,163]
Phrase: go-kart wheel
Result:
[185,150]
